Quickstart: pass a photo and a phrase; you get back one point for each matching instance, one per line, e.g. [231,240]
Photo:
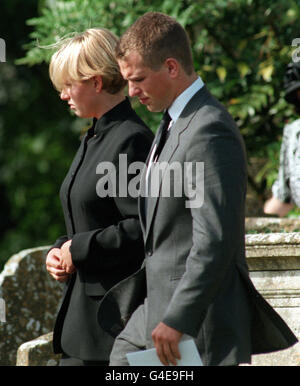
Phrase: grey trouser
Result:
[132,338]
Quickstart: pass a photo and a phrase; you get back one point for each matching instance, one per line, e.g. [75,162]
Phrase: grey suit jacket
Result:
[196,272]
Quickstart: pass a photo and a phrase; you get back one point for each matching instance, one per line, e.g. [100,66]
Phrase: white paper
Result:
[188,352]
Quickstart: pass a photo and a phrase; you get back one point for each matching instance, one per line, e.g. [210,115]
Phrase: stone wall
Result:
[31,298]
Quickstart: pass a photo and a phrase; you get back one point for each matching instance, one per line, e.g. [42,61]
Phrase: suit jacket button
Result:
[149,253]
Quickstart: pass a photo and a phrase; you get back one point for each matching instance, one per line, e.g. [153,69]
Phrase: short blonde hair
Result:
[85,55]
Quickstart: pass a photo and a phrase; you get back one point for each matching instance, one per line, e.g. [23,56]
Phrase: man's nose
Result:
[133,90]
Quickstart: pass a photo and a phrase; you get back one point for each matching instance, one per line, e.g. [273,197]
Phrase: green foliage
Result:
[37,142]
[240,46]
[37,145]
[240,49]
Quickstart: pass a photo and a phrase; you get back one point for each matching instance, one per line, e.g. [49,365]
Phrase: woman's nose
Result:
[64,95]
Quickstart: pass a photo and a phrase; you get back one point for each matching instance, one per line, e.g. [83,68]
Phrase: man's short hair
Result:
[156,37]
[85,55]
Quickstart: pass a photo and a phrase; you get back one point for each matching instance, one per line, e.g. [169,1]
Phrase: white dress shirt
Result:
[182,100]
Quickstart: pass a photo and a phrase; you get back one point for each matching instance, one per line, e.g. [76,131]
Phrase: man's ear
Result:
[172,66]
[98,83]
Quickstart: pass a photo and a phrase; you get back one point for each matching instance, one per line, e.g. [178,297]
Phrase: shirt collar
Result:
[182,100]
[117,113]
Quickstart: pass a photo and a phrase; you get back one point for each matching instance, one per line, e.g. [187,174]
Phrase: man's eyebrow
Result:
[136,77]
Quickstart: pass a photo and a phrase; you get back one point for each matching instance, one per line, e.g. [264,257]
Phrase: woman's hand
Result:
[66,257]
[54,267]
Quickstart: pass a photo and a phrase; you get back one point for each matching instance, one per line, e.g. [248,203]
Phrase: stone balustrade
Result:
[31,296]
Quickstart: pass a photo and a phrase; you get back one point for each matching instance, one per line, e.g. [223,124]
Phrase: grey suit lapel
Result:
[171,145]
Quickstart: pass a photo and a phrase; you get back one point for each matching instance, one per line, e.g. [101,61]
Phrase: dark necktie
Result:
[162,133]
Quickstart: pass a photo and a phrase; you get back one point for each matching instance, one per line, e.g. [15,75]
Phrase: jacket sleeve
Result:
[119,244]
[59,242]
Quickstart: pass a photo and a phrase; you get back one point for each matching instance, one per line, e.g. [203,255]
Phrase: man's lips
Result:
[143,100]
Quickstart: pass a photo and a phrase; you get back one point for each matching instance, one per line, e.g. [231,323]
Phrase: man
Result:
[196,273]
[286,189]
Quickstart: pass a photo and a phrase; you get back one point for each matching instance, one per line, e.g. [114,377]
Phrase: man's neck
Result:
[176,108]
[184,82]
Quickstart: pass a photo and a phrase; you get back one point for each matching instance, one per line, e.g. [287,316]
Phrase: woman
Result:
[286,188]
[104,242]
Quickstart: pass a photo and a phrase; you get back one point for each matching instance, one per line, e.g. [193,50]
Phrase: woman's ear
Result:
[98,83]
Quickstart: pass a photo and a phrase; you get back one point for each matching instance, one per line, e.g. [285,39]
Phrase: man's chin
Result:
[154,109]
[151,107]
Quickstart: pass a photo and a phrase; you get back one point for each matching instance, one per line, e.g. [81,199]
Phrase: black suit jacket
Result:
[107,243]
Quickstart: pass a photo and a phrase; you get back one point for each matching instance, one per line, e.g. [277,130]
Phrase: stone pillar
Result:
[274,264]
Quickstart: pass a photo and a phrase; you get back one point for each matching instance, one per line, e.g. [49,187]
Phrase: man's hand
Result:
[54,267]
[66,257]
[166,341]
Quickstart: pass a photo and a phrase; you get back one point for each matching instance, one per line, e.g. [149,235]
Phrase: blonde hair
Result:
[85,55]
